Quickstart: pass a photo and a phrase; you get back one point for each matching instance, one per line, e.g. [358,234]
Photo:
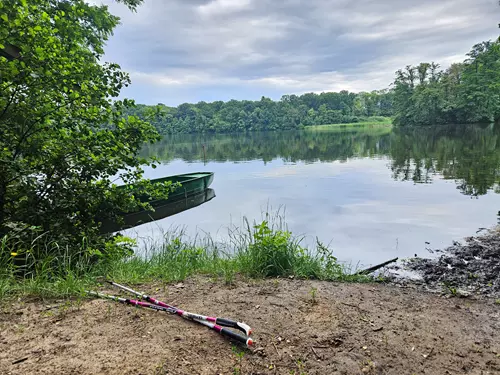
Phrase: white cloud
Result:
[222,6]
[290,46]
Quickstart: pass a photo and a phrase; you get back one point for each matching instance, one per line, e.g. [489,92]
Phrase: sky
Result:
[179,51]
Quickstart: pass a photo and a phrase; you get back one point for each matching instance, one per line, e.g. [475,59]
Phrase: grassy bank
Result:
[262,250]
[371,121]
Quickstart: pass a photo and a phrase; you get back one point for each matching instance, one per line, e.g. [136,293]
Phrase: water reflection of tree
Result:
[470,155]
[292,146]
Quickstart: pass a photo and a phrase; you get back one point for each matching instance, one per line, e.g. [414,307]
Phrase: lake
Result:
[372,193]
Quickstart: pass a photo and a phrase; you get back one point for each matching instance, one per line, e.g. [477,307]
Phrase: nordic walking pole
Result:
[185,314]
[223,331]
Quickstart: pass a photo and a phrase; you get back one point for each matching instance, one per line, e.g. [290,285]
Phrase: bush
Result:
[65,140]
[271,253]
[274,252]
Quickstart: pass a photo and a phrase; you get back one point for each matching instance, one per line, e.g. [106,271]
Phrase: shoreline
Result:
[268,250]
[383,124]
[467,268]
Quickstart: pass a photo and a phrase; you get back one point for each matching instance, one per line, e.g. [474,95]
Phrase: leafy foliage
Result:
[64,140]
[468,92]
[272,253]
[290,112]
[251,253]
[270,250]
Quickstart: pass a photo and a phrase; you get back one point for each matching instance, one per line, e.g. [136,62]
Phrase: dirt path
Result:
[344,329]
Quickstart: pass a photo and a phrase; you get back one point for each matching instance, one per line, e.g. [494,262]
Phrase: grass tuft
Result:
[262,250]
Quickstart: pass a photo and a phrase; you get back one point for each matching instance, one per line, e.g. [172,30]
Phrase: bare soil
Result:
[300,327]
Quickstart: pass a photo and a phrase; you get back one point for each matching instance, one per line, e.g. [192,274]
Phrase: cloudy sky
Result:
[191,50]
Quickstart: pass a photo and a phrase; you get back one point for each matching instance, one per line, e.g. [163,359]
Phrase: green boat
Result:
[191,183]
[193,191]
[172,207]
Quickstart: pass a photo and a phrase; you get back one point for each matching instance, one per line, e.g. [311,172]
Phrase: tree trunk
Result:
[3,197]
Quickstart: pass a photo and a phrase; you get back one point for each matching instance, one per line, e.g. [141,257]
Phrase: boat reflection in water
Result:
[169,209]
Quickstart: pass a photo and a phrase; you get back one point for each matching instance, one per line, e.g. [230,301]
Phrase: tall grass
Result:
[376,121]
[258,250]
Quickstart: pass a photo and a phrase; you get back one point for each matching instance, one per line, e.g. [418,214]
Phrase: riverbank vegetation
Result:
[290,112]
[467,92]
[372,121]
[58,163]
[264,249]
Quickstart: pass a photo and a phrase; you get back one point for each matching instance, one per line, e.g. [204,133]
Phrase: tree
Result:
[468,92]
[423,68]
[481,83]
[291,112]
[63,139]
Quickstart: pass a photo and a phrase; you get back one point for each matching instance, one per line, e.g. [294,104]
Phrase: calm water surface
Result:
[372,193]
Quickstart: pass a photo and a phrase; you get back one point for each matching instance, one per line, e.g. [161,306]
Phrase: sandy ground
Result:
[344,329]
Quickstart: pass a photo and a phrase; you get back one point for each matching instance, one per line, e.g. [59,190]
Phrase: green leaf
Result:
[67,142]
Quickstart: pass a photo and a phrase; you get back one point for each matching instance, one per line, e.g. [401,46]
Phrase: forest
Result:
[464,93]
[290,112]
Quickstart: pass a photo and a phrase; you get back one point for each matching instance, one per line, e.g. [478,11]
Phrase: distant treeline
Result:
[290,112]
[467,92]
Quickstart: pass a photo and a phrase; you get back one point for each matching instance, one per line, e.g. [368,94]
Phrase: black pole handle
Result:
[242,339]
[231,323]
[226,322]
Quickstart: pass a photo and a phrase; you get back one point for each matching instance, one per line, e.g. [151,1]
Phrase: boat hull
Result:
[191,183]
[172,207]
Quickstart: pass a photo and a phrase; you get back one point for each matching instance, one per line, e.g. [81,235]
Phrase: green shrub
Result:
[65,140]
[272,253]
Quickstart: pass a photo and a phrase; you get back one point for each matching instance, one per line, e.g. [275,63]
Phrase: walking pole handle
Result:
[238,325]
[244,340]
